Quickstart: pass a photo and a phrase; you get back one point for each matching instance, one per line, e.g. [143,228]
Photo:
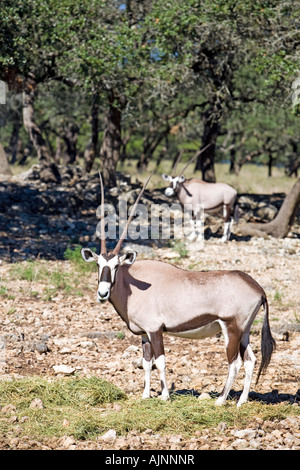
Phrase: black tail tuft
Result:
[268,344]
[236,212]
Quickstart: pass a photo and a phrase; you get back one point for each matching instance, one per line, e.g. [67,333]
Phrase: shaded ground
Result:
[37,220]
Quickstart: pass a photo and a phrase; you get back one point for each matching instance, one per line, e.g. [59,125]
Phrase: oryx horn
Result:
[132,213]
[194,157]
[178,158]
[102,227]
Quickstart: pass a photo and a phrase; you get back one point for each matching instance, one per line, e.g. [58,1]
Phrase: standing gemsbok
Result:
[203,196]
[156,298]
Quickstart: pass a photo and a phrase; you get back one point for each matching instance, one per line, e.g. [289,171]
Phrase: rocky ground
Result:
[69,334]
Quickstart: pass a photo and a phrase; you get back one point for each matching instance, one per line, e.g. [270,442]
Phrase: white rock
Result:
[67,441]
[245,434]
[63,369]
[132,348]
[175,439]
[170,255]
[240,444]
[87,344]
[137,363]
[204,396]
[37,403]
[109,436]
[65,351]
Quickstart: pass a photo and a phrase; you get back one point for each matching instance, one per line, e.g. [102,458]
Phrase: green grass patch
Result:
[85,404]
[81,266]
[180,247]
[55,278]
[4,292]
[76,392]
[278,297]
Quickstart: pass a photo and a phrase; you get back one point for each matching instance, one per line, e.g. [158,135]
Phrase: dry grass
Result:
[85,405]
[252,178]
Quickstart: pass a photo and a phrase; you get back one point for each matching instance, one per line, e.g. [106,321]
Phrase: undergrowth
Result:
[85,404]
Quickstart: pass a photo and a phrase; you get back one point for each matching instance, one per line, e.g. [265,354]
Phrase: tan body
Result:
[198,298]
[200,195]
[210,195]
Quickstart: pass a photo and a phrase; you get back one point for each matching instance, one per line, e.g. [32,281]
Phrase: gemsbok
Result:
[156,298]
[203,196]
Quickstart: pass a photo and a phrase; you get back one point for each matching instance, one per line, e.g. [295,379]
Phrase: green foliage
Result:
[74,256]
[156,61]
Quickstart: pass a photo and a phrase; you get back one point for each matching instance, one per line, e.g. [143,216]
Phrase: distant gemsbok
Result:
[202,196]
[156,298]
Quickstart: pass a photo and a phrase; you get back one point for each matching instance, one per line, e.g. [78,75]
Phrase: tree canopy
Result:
[109,79]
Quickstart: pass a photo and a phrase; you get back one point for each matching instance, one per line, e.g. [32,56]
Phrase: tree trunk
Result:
[150,144]
[270,164]
[111,144]
[92,148]
[48,170]
[206,160]
[58,149]
[294,164]
[280,226]
[14,138]
[24,152]
[4,165]
[70,137]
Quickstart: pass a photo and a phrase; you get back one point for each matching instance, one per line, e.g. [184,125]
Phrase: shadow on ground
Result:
[268,398]
[39,221]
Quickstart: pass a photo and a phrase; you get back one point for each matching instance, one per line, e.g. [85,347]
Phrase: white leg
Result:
[233,369]
[147,365]
[226,233]
[249,363]
[191,237]
[160,363]
[199,230]
[232,343]
[199,226]
[227,222]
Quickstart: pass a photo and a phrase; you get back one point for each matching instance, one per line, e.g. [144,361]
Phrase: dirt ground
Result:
[92,340]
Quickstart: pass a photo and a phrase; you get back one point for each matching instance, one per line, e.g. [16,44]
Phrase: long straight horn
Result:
[197,154]
[132,213]
[102,227]
[178,158]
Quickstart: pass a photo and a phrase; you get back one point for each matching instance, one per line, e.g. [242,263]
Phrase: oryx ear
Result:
[166,177]
[181,179]
[128,258]
[88,255]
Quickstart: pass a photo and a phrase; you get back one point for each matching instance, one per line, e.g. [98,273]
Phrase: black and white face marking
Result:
[108,264]
[174,182]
